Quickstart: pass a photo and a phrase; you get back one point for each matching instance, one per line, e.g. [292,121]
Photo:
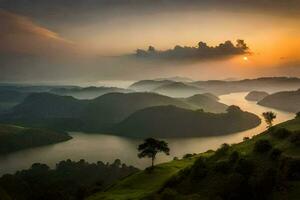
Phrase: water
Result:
[95,147]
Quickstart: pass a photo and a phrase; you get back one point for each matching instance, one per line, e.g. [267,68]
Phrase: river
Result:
[95,147]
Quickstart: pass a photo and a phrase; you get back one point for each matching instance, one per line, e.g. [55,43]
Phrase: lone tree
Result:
[151,147]
[269,117]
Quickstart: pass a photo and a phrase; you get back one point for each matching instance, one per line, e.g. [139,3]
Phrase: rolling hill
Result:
[256,95]
[178,89]
[287,101]
[14,138]
[99,114]
[171,121]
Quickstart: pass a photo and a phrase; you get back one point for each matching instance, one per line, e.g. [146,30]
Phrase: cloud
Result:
[201,52]
[75,10]
[20,35]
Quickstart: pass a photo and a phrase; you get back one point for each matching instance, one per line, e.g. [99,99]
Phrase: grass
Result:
[143,184]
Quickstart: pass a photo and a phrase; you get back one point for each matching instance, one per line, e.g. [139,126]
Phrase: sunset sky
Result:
[88,41]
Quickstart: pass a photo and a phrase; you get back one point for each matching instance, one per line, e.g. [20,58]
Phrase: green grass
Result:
[283,144]
[143,184]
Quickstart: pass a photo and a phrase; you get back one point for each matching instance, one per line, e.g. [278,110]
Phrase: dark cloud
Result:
[53,11]
[201,52]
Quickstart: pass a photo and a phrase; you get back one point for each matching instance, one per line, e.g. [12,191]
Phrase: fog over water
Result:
[106,148]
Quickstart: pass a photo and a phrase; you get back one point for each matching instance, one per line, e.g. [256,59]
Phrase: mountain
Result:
[114,107]
[178,89]
[148,85]
[219,87]
[287,101]
[207,102]
[256,95]
[87,92]
[171,121]
[10,98]
[265,166]
[68,113]
[46,105]
[176,79]
[269,84]
[14,138]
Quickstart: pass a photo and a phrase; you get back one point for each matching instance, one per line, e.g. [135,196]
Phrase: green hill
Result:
[171,121]
[14,138]
[208,102]
[263,167]
[99,114]
[178,89]
[256,95]
[288,101]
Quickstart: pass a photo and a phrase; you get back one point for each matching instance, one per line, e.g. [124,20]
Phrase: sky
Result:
[88,41]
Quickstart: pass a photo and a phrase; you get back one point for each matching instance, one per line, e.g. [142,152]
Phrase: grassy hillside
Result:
[225,173]
[142,184]
[14,138]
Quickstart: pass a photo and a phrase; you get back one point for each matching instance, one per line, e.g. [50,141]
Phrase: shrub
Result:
[234,156]
[295,139]
[262,146]
[244,167]
[199,169]
[298,115]
[222,151]
[169,194]
[222,167]
[280,133]
[293,169]
[275,153]
[188,155]
[175,158]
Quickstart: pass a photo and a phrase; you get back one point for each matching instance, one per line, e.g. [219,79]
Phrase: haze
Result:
[95,41]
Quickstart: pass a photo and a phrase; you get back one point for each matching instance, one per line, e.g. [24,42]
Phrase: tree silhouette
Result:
[269,117]
[151,147]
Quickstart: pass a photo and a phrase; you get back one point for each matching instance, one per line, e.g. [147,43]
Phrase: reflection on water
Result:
[94,147]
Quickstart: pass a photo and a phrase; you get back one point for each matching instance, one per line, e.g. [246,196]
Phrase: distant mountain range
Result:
[219,87]
[87,92]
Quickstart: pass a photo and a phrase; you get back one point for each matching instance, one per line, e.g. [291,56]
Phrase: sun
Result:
[245,58]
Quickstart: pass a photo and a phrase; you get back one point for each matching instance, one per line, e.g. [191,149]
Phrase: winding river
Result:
[94,147]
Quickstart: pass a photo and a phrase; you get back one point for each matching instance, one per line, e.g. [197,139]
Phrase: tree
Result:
[151,147]
[298,115]
[269,117]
